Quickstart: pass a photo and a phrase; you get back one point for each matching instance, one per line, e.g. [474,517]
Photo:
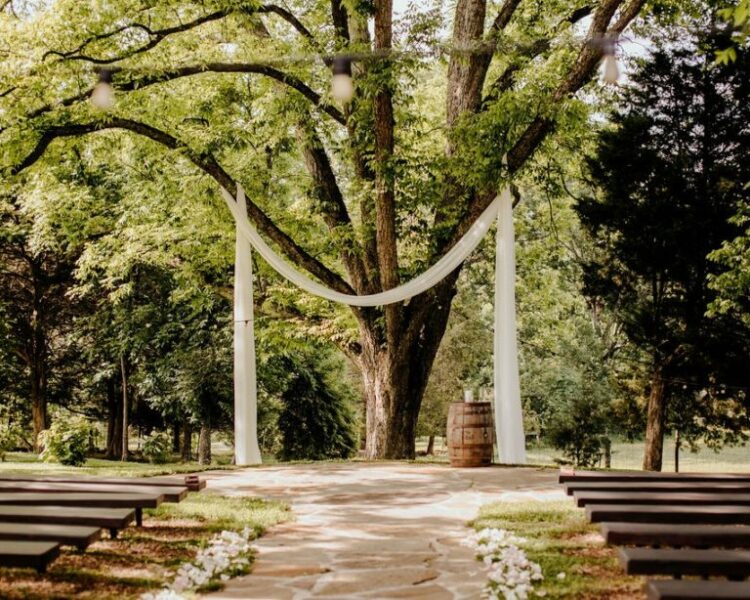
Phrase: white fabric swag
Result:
[508,415]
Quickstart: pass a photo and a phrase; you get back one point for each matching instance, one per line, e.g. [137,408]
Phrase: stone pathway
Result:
[373,530]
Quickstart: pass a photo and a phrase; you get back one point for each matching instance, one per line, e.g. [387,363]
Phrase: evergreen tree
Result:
[670,174]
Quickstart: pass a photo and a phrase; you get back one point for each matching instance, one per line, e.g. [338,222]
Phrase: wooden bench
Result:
[733,564]
[648,513]
[170,493]
[670,589]
[610,476]
[192,482]
[136,501]
[692,536]
[657,498]
[112,519]
[79,536]
[667,487]
[24,554]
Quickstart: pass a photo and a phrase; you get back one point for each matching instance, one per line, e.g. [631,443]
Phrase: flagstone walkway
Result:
[373,530]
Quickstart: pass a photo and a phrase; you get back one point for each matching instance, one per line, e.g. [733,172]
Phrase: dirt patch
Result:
[140,560]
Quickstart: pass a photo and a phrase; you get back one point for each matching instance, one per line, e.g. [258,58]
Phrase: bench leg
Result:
[139,517]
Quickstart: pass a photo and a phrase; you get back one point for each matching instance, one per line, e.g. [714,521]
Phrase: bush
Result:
[10,438]
[66,441]
[157,448]
[317,421]
[578,431]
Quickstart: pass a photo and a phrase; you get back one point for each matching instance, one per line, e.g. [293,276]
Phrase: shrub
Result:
[66,441]
[317,421]
[157,448]
[10,438]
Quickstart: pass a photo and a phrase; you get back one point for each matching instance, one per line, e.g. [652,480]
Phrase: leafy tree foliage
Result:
[671,174]
[317,420]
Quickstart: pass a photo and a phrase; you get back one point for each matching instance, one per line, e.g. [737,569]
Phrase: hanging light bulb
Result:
[611,72]
[342,86]
[103,96]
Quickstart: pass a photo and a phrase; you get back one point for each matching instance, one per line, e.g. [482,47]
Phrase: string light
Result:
[103,96]
[342,87]
[611,71]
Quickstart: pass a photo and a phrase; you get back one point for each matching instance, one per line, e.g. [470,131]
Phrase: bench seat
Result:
[670,589]
[649,513]
[682,535]
[112,519]
[733,564]
[80,536]
[566,476]
[666,487]
[192,482]
[25,554]
[658,498]
[170,493]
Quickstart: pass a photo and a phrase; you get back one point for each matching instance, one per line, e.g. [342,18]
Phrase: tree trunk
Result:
[114,422]
[187,441]
[125,408]
[204,445]
[652,456]
[431,446]
[395,375]
[38,402]
[176,438]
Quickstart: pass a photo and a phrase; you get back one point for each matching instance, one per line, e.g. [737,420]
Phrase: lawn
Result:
[575,562]
[629,455]
[27,463]
[143,559]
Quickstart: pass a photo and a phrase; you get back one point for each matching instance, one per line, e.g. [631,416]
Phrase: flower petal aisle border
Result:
[227,555]
[510,574]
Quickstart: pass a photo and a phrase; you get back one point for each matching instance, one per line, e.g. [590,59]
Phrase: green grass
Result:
[218,513]
[561,541]
[144,559]
[629,455]
[27,463]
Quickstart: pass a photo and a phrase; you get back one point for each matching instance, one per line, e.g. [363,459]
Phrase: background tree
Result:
[391,186]
[670,175]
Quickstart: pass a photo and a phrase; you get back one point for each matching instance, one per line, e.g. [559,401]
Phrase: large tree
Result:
[671,175]
[240,90]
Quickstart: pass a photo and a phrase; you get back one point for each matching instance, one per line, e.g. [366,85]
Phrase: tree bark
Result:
[655,416]
[176,438]
[204,445]
[114,422]
[125,454]
[395,375]
[38,402]
[430,446]
[187,441]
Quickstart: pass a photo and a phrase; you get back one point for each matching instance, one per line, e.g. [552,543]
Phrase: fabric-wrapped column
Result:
[246,450]
[511,441]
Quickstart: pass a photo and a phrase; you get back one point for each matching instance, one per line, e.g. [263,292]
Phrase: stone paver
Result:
[373,530]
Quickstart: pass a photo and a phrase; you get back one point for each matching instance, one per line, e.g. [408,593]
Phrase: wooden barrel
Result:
[470,434]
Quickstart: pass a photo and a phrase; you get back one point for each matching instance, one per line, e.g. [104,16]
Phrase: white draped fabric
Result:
[511,441]
[509,426]
[246,451]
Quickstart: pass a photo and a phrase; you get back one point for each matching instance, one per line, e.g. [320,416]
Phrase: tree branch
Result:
[385,196]
[206,163]
[331,202]
[121,83]
[156,36]
[505,81]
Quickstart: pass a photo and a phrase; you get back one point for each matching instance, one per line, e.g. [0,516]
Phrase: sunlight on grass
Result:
[562,541]
[29,464]
[217,513]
